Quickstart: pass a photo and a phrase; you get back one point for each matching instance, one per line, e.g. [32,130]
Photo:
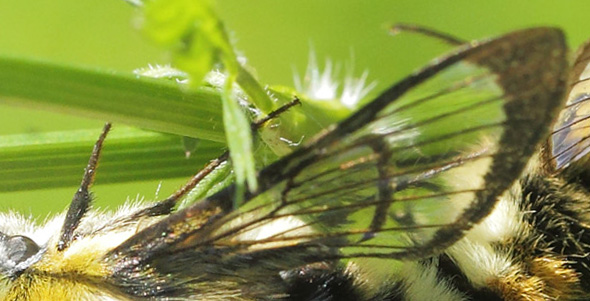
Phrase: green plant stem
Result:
[50,160]
[152,104]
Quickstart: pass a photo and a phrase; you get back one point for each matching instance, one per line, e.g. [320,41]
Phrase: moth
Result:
[534,245]
[399,182]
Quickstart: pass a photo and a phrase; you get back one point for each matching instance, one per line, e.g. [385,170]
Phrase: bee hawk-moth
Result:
[410,183]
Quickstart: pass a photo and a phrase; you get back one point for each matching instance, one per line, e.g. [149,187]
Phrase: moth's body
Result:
[77,273]
[82,273]
[402,179]
[533,246]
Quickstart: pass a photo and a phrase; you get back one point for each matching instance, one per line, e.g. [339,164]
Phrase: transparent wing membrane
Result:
[393,183]
[404,177]
[571,136]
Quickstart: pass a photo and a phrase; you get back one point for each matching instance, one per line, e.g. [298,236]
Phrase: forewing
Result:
[570,139]
[404,177]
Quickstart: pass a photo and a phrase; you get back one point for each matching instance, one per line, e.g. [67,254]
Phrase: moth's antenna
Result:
[276,113]
[398,28]
[165,206]
[82,198]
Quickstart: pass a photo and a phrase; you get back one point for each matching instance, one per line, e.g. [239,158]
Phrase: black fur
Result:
[321,285]
[557,209]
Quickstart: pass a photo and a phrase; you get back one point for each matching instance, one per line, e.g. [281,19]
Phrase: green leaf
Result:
[193,33]
[169,21]
[239,140]
[197,60]
[257,95]
[50,160]
[291,128]
[159,105]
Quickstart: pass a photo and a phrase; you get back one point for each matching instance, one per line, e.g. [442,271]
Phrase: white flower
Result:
[324,85]
[355,89]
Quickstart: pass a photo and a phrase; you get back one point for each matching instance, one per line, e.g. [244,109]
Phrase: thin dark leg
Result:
[165,206]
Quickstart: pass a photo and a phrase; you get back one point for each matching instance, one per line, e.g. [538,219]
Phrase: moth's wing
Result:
[570,139]
[404,177]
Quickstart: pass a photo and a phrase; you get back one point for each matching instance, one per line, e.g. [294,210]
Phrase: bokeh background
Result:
[276,37]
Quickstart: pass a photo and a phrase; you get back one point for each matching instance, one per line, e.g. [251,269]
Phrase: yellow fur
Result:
[77,273]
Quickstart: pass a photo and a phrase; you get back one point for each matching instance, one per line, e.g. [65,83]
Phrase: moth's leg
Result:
[82,199]
[165,206]
[276,113]
[448,38]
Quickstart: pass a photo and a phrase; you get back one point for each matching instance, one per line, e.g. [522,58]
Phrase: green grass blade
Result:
[50,160]
[255,91]
[152,104]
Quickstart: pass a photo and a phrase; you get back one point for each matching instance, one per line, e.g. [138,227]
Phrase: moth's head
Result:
[33,268]
[17,253]
[23,242]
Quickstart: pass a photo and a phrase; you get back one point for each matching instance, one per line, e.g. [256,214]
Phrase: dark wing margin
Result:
[402,178]
[570,140]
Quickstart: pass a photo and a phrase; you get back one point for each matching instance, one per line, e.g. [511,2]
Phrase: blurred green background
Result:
[275,36]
